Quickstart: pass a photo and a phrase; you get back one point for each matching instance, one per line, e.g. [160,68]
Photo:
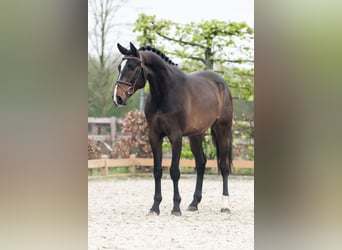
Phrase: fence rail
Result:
[96,123]
[132,162]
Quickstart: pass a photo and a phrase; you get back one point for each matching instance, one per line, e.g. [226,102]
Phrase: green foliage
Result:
[243,110]
[166,147]
[210,44]
[206,42]
[186,152]
[241,82]
[148,35]
[243,171]
[208,147]
[243,142]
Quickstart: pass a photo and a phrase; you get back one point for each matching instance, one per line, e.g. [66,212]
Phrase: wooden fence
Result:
[97,124]
[132,162]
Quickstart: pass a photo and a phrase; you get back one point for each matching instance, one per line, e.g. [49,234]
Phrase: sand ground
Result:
[118,215]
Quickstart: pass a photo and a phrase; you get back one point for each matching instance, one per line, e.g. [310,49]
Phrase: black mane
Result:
[159,53]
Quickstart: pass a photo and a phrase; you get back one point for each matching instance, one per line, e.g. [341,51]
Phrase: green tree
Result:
[203,42]
[210,44]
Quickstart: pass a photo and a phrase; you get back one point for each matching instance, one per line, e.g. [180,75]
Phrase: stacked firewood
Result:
[135,130]
[93,150]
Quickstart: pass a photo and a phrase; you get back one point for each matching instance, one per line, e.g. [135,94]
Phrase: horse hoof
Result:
[176,213]
[192,208]
[225,210]
[152,212]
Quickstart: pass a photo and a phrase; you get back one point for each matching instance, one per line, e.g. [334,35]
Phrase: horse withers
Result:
[179,105]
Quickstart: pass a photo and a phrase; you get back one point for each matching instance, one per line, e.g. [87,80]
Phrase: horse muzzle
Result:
[118,101]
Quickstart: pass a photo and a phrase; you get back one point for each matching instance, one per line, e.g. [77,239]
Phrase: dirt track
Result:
[118,215]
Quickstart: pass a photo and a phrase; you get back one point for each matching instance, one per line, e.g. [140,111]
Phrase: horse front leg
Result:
[175,173]
[156,145]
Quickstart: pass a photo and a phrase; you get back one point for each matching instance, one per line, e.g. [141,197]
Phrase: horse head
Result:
[131,75]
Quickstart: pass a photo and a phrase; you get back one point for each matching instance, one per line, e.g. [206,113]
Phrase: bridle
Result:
[131,86]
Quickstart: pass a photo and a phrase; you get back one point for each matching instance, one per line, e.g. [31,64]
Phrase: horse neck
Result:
[159,75]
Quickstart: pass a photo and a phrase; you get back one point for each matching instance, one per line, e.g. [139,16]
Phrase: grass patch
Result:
[187,170]
[243,171]
[94,171]
[118,170]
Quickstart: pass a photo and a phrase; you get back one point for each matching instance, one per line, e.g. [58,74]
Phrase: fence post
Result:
[104,170]
[94,129]
[132,160]
[113,128]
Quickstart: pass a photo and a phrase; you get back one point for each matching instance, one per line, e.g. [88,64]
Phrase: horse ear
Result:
[122,50]
[133,49]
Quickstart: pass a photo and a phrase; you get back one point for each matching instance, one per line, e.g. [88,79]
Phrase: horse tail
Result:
[230,152]
[215,141]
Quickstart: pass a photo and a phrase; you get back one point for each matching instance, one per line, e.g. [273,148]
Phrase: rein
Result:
[131,86]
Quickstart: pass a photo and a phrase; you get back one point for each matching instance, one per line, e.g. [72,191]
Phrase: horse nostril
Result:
[119,100]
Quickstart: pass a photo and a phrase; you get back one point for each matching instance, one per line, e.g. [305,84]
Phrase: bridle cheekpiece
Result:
[131,86]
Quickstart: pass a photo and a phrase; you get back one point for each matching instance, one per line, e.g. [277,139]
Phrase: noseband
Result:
[131,86]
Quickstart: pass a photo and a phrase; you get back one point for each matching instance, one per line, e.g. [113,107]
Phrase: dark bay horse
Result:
[179,105]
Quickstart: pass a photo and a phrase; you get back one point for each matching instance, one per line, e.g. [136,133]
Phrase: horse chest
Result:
[165,123]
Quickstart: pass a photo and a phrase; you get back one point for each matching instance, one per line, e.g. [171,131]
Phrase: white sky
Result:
[195,10]
[182,11]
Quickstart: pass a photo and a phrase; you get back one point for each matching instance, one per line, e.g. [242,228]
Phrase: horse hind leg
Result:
[200,160]
[223,140]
